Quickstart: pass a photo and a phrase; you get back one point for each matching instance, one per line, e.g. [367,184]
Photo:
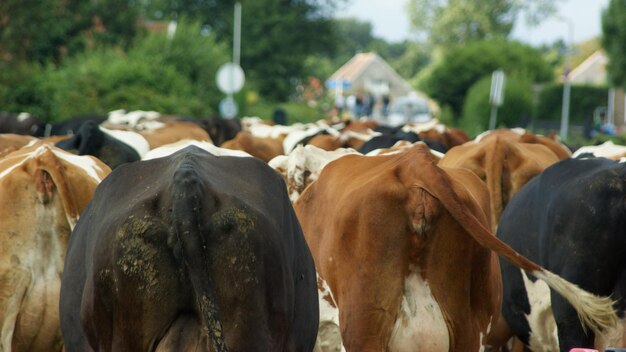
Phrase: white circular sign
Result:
[230,78]
[228,108]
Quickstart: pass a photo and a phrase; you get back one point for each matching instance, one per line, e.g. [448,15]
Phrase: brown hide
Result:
[451,137]
[557,148]
[265,149]
[504,164]
[360,125]
[326,142]
[379,222]
[10,142]
[174,131]
[41,197]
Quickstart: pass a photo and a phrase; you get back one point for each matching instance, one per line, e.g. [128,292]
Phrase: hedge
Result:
[515,111]
[584,99]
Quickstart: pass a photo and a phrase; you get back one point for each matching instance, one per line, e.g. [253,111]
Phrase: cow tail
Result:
[187,194]
[593,311]
[494,165]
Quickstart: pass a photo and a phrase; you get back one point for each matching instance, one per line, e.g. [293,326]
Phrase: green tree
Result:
[276,36]
[460,67]
[614,40]
[42,30]
[195,55]
[174,76]
[448,22]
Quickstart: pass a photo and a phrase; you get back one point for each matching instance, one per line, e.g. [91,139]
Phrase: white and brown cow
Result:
[405,251]
[303,166]
[43,190]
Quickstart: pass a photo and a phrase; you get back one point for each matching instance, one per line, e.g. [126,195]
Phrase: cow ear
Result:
[424,209]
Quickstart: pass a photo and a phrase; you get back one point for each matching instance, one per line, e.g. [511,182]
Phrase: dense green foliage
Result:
[516,108]
[449,22]
[44,30]
[175,77]
[276,35]
[449,79]
[584,100]
[614,40]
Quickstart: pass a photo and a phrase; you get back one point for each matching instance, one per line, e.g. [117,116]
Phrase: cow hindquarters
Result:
[185,334]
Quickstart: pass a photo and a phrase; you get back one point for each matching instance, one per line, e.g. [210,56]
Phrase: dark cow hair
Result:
[91,140]
[21,124]
[189,251]
[570,220]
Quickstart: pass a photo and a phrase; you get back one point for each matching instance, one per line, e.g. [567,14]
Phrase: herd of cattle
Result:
[141,232]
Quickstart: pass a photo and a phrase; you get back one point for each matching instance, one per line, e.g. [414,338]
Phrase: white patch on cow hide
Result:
[607,150]
[169,149]
[362,136]
[420,326]
[329,335]
[518,130]
[479,137]
[121,117]
[23,116]
[303,166]
[133,139]
[543,330]
[86,163]
[417,127]
[291,140]
[482,336]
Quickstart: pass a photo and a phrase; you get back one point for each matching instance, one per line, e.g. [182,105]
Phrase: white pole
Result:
[237,34]
[492,118]
[566,81]
[236,43]
[610,115]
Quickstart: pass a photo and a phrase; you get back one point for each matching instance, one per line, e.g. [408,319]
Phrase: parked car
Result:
[408,109]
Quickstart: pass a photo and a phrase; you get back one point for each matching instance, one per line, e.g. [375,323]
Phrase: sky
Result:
[390,21]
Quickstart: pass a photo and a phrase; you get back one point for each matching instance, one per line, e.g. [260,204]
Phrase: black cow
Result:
[91,140]
[392,135]
[24,124]
[219,129]
[189,252]
[73,124]
[571,219]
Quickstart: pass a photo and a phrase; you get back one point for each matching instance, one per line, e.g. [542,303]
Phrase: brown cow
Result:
[42,192]
[433,130]
[524,136]
[265,149]
[174,131]
[10,142]
[405,251]
[505,165]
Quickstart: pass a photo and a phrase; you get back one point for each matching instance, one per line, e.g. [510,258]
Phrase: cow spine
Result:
[187,194]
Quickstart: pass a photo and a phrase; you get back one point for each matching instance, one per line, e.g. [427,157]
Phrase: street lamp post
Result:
[566,79]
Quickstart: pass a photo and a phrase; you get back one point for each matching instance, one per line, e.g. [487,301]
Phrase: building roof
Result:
[592,70]
[365,69]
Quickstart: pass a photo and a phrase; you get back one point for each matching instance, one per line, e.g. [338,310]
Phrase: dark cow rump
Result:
[189,251]
[569,219]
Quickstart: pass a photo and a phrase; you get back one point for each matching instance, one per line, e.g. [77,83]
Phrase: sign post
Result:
[496,95]
[230,77]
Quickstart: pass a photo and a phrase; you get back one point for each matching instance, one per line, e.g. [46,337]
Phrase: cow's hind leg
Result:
[13,285]
[185,334]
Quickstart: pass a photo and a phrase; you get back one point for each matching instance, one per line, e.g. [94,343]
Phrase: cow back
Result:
[203,244]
